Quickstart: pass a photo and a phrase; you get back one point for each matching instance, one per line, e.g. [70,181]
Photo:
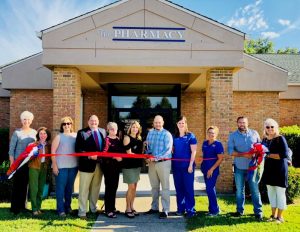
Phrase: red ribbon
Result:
[120,155]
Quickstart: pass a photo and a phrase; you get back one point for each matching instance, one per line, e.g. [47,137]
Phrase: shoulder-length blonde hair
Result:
[138,135]
[271,122]
[63,120]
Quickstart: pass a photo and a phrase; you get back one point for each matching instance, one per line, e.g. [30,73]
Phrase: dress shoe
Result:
[152,211]
[163,215]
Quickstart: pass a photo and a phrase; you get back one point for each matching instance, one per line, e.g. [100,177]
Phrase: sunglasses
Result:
[268,127]
[66,123]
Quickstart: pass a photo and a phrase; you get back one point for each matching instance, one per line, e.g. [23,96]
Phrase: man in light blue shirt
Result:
[240,141]
[159,144]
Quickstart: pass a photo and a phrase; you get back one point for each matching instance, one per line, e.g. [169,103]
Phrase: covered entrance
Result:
[142,102]
[135,58]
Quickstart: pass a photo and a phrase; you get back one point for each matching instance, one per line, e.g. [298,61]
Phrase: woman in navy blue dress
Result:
[183,166]
[275,174]
[213,153]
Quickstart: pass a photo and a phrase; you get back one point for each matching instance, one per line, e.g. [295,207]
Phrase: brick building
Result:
[134,59]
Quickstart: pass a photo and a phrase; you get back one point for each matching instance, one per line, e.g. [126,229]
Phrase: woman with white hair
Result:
[111,169]
[19,141]
[275,174]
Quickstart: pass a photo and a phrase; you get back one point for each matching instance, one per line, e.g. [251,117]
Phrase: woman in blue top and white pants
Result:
[183,166]
[213,153]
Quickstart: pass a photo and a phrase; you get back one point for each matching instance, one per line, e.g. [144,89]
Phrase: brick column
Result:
[66,96]
[219,99]
[193,108]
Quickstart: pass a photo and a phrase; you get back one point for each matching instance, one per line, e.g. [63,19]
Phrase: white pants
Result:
[159,173]
[277,197]
[89,188]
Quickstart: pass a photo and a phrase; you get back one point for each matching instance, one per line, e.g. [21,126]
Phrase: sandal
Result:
[111,215]
[135,213]
[129,214]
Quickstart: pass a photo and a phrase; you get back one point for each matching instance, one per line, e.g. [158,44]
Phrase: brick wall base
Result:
[4,112]
[39,102]
[289,112]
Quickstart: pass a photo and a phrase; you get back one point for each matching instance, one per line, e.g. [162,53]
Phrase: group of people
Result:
[165,152]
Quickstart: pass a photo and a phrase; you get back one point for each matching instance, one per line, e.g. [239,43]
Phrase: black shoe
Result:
[152,211]
[163,215]
[237,214]
[259,218]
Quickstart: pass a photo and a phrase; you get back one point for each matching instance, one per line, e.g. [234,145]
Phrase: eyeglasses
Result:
[66,123]
[268,127]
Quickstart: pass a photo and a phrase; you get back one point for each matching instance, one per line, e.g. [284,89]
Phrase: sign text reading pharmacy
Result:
[145,34]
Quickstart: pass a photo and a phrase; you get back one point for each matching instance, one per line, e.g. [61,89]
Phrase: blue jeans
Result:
[64,188]
[240,176]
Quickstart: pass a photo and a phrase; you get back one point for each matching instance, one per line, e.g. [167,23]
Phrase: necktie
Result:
[96,139]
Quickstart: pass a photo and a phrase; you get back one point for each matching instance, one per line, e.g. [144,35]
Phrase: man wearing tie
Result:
[90,139]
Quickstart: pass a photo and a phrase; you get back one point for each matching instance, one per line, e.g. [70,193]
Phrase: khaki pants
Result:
[159,173]
[89,188]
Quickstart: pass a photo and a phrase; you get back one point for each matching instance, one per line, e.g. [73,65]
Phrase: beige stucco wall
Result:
[258,75]
[79,42]
[293,92]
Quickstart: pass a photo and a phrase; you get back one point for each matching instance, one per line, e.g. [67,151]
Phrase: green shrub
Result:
[5,184]
[4,143]
[4,167]
[292,135]
[293,190]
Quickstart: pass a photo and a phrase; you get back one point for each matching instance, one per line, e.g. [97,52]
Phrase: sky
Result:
[277,20]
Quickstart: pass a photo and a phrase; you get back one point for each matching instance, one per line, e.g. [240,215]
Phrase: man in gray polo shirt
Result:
[240,141]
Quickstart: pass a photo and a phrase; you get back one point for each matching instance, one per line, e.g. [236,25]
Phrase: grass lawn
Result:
[247,223]
[49,221]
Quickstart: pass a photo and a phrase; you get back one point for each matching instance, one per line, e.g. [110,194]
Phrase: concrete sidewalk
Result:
[142,223]
[144,187]
[142,204]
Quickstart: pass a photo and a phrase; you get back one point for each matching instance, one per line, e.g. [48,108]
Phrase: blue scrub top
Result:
[182,150]
[211,151]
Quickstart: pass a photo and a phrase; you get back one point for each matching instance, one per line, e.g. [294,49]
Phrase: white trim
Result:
[203,18]
[20,61]
[103,8]
[123,1]
[265,62]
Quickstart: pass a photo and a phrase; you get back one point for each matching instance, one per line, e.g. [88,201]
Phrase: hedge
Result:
[293,189]
[292,135]
[5,184]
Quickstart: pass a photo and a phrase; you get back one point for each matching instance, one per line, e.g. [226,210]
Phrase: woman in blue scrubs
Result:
[213,153]
[183,166]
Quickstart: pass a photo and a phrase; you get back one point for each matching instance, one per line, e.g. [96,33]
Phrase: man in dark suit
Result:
[90,139]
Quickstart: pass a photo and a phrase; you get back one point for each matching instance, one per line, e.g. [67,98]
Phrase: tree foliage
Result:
[288,50]
[259,46]
[264,46]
